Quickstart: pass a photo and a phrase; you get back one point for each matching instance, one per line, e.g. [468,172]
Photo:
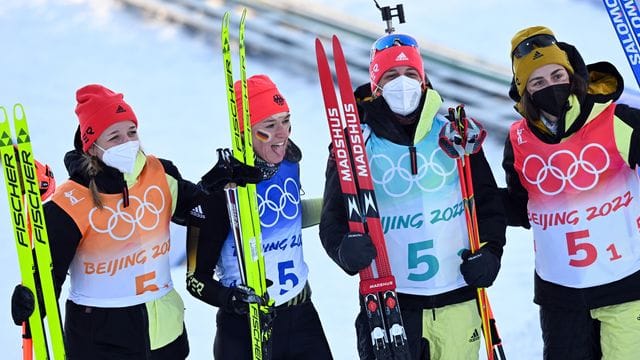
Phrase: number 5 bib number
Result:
[583,253]
[285,276]
[417,257]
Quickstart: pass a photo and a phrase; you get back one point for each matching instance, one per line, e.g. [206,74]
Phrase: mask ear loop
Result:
[100,147]
[95,145]
[425,83]
[377,92]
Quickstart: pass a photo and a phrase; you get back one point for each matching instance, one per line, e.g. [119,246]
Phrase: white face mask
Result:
[402,94]
[122,157]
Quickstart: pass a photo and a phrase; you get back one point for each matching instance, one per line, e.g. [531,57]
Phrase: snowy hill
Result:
[174,82]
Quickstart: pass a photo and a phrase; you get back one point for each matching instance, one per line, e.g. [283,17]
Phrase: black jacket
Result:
[206,234]
[333,224]
[605,85]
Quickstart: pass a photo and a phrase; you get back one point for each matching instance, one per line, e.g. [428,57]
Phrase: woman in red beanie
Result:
[570,164]
[108,228]
[296,329]
[436,279]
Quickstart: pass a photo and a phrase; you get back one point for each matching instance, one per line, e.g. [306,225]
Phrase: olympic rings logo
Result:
[397,180]
[134,217]
[279,201]
[563,167]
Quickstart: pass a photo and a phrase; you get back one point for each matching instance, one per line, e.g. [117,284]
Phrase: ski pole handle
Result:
[462,135]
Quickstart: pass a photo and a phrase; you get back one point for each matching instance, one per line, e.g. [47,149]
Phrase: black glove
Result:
[480,269]
[22,304]
[356,251]
[229,169]
[240,298]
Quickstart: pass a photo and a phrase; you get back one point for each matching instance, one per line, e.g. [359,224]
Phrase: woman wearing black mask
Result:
[569,165]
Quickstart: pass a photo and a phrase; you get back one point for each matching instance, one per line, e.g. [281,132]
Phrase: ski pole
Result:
[459,144]
[27,342]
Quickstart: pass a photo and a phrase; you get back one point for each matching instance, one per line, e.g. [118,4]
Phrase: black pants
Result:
[412,320]
[115,334]
[297,334]
[569,334]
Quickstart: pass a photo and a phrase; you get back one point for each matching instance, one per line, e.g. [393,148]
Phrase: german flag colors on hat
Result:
[97,109]
[265,99]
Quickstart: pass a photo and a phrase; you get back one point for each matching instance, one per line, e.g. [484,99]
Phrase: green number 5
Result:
[415,260]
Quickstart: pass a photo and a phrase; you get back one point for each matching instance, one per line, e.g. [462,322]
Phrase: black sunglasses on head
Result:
[534,42]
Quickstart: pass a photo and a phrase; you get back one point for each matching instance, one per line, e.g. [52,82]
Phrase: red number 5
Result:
[590,251]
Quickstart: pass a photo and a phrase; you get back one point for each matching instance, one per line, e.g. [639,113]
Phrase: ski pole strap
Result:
[462,135]
[475,135]
[450,141]
[495,337]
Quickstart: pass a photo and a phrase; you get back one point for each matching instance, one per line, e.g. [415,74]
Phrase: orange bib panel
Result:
[123,256]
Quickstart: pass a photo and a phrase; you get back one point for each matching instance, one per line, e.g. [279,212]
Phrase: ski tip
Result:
[337,47]
[243,18]
[18,112]
[320,48]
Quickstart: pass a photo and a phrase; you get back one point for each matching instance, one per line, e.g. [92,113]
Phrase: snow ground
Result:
[174,82]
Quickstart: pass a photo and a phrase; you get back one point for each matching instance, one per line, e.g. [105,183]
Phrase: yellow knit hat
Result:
[540,56]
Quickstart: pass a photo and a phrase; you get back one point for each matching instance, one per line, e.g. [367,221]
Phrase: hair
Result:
[531,111]
[92,167]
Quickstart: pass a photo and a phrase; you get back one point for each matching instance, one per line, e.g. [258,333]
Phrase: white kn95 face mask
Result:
[123,156]
[402,94]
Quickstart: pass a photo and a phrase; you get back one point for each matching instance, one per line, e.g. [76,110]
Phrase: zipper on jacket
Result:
[414,160]
[125,193]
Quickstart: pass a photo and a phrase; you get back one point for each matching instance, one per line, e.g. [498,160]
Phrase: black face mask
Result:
[552,99]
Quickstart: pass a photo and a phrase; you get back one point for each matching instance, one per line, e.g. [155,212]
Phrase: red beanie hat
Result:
[97,109]
[398,55]
[264,99]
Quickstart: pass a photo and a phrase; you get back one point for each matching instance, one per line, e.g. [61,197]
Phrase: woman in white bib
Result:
[570,169]
[213,273]
[420,205]
[108,228]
